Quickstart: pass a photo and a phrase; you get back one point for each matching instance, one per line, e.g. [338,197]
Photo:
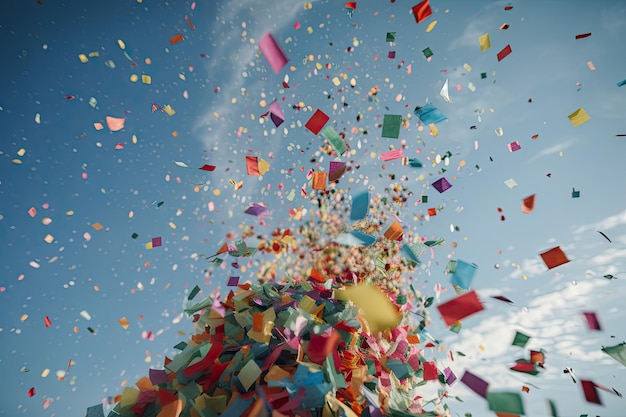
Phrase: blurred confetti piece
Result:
[84,314]
[484,42]
[32,212]
[431,26]
[506,51]
[273,52]
[592,321]
[97,226]
[124,322]
[49,238]
[115,123]
[378,310]
[146,79]
[191,25]
[528,204]
[47,321]
[421,11]
[45,373]
[176,39]
[578,117]
[460,307]
[554,257]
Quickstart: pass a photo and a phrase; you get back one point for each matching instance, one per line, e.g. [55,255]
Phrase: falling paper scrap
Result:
[528,204]
[578,117]
[273,52]
[504,53]
[421,11]
[441,185]
[554,257]
[391,126]
[460,307]
[485,42]
[317,121]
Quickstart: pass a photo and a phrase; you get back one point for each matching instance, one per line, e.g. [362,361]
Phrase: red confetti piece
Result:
[47,321]
[191,25]
[504,52]
[206,167]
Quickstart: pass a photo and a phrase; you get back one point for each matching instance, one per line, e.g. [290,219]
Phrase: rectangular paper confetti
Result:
[273,52]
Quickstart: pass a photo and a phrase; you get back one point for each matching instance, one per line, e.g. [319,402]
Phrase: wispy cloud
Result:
[603,225]
[550,150]
[614,18]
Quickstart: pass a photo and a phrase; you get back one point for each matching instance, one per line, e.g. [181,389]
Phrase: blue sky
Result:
[53,159]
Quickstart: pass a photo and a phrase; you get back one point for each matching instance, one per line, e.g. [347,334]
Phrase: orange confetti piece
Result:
[115,123]
[97,226]
[124,323]
[394,232]
[176,39]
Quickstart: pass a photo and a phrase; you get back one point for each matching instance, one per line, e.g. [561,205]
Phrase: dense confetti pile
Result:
[317,208]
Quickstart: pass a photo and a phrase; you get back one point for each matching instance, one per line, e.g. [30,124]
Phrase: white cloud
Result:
[603,225]
[609,256]
[551,150]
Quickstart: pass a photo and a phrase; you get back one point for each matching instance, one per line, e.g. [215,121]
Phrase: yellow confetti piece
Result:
[17,161]
[121,44]
[336,81]
[45,373]
[467,67]
[134,139]
[431,26]
[169,110]
[94,54]
[216,192]
[69,213]
[21,152]
[146,79]
[149,245]
[134,78]
[24,317]
[308,5]
[83,58]
[434,130]
[172,225]
[124,322]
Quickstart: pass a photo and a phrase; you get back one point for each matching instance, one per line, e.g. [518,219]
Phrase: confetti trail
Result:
[244,208]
